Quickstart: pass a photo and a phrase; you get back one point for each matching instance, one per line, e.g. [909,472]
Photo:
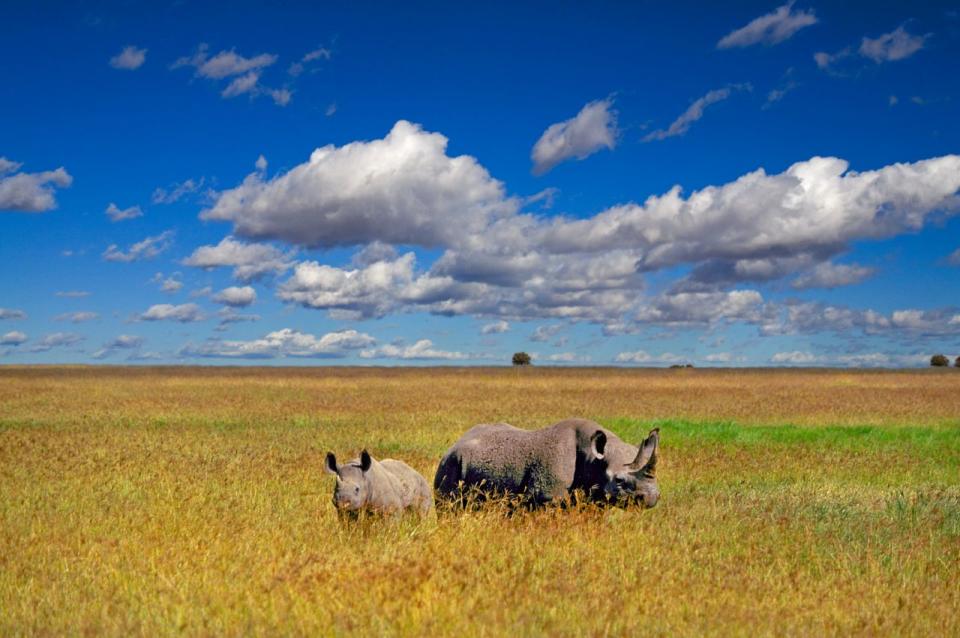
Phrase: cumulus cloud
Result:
[117,214]
[500,263]
[56,340]
[702,308]
[693,113]
[236,296]
[284,343]
[816,207]
[12,313]
[184,313]
[13,338]
[567,357]
[29,192]
[829,275]
[422,350]
[147,248]
[769,29]
[77,317]
[858,360]
[401,189]
[497,327]
[592,129]
[129,59]
[896,45]
[176,192]
[642,356]
[249,261]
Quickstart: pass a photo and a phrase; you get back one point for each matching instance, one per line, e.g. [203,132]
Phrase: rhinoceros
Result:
[383,487]
[550,465]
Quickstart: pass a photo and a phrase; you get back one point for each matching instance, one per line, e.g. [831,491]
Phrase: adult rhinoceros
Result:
[551,464]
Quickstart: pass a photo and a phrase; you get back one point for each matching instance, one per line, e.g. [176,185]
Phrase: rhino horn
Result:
[646,461]
[330,464]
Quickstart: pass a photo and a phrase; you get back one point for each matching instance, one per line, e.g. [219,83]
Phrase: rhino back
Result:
[504,458]
[414,492]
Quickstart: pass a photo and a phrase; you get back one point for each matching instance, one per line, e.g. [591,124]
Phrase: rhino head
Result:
[636,482]
[351,491]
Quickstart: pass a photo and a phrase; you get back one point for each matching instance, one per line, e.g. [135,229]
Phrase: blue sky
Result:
[364,183]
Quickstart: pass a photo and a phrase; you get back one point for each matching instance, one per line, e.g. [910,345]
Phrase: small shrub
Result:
[521,359]
[939,361]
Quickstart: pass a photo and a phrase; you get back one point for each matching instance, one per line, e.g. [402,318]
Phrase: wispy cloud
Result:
[769,29]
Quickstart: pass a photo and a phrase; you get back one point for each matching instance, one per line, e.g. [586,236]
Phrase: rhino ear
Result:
[598,442]
[646,461]
[365,461]
[330,464]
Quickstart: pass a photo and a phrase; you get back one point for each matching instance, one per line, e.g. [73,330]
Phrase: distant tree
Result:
[939,361]
[957,362]
[521,359]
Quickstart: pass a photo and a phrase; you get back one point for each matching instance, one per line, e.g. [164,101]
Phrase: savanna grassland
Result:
[192,501]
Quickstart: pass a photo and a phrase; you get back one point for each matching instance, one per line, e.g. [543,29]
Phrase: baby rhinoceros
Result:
[382,487]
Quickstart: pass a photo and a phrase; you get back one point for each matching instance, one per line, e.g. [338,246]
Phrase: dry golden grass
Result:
[192,501]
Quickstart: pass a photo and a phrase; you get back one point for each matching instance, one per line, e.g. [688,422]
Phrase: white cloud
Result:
[229,316]
[401,189]
[236,297]
[224,64]
[331,109]
[814,208]
[769,29]
[77,317]
[568,357]
[129,59]
[117,214]
[546,333]
[702,308]
[243,73]
[13,338]
[592,129]
[169,285]
[8,166]
[795,357]
[261,164]
[896,45]
[722,357]
[184,313]
[245,83]
[642,356]
[321,53]
[422,350]
[73,293]
[12,313]
[177,191]
[29,192]
[497,327]
[503,264]
[121,342]
[954,258]
[56,340]
[145,249]
[694,112]
[284,343]
[830,275]
[249,261]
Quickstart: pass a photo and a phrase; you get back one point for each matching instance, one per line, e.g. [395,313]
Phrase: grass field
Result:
[193,501]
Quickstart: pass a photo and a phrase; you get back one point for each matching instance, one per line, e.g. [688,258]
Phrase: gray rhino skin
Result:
[550,465]
[383,487]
